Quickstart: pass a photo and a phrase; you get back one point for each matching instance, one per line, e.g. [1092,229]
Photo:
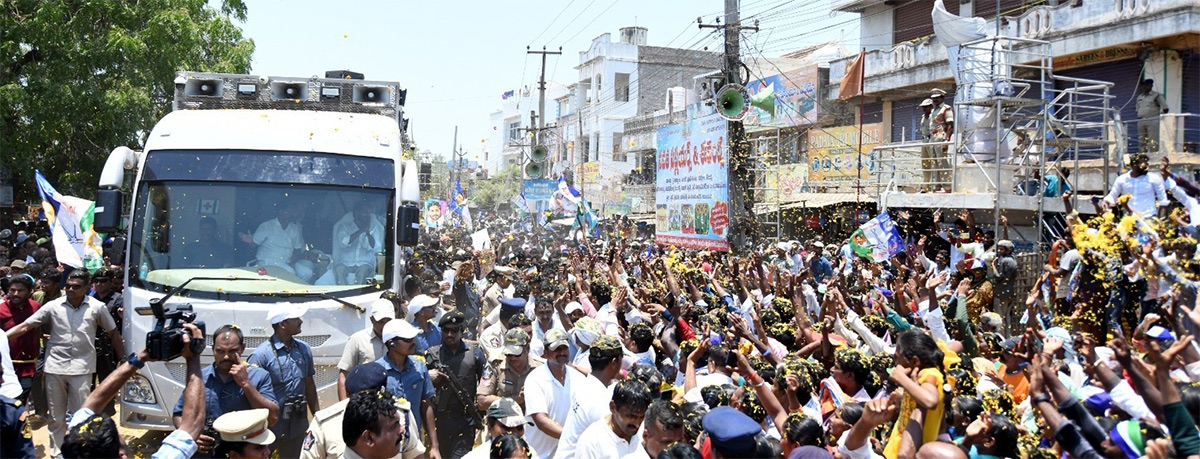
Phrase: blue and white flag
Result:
[76,243]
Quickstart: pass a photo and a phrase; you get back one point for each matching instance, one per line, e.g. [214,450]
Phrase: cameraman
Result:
[97,436]
[231,385]
[289,361]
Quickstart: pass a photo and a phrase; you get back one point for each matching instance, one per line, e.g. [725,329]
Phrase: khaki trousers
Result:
[65,394]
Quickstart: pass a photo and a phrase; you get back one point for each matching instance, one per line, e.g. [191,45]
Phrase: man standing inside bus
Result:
[289,361]
[71,351]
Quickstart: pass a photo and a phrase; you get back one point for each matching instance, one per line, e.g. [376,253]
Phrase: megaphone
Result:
[765,100]
[733,102]
[534,170]
[539,153]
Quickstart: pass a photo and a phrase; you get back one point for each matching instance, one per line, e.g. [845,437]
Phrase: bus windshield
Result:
[300,222]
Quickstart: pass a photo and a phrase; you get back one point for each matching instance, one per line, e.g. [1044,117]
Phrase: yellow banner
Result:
[588,172]
[833,153]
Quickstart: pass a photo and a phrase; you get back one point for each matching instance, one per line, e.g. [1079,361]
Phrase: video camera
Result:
[165,342]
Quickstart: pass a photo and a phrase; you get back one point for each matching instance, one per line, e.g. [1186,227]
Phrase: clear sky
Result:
[456,58]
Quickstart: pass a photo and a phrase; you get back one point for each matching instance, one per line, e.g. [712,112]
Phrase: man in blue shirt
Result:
[289,361]
[820,265]
[230,384]
[408,377]
[421,311]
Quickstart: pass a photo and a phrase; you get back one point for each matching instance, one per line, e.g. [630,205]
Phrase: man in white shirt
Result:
[357,237]
[1146,191]
[663,427]
[278,240]
[605,359]
[617,434]
[548,394]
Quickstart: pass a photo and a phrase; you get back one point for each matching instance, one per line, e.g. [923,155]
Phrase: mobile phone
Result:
[666,395]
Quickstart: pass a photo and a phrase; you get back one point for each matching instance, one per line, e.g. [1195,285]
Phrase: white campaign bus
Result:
[235,154]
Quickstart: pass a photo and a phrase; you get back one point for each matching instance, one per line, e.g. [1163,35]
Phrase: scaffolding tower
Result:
[764,164]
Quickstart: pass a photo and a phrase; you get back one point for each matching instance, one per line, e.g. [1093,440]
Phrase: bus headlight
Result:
[138,390]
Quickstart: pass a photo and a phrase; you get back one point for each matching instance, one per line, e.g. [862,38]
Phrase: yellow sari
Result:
[932,424]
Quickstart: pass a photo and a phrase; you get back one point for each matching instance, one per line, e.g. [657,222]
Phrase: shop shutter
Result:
[872,113]
[906,119]
[1124,75]
[1191,99]
[1010,8]
[913,18]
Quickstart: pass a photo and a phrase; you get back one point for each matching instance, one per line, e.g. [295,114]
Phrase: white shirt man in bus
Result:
[357,237]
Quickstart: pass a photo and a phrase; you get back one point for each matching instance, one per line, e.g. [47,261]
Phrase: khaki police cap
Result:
[249,426]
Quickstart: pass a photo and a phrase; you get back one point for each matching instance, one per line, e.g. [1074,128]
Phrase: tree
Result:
[83,77]
[499,188]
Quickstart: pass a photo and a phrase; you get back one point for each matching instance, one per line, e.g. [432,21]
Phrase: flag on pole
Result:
[852,81]
[76,243]
[877,239]
[507,94]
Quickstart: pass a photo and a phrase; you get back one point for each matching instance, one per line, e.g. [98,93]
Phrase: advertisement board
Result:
[538,195]
[587,172]
[692,187]
[833,153]
[795,100]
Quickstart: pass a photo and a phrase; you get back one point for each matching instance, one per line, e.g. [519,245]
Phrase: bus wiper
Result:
[324,296]
[158,302]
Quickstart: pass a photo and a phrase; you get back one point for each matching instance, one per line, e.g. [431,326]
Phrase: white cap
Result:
[572,307]
[284,311]
[399,329]
[382,308]
[418,303]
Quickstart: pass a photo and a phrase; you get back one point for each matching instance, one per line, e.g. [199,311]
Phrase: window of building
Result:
[599,95]
[514,131]
[621,86]
[617,152]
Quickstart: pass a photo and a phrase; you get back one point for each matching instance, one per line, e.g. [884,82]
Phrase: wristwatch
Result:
[1039,398]
[133,360]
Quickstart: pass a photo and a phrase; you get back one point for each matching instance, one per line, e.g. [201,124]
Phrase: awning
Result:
[811,201]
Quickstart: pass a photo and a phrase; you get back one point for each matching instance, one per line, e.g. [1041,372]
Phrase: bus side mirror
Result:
[408,225]
[108,211]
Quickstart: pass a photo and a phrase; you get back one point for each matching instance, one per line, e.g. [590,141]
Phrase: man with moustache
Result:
[663,426]
[365,346]
[456,359]
[616,435]
[231,385]
[407,378]
[289,361]
[548,394]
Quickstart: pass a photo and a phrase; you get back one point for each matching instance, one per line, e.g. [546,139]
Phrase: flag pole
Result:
[862,98]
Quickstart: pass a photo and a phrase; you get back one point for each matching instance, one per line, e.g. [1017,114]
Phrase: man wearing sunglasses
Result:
[71,350]
[408,377]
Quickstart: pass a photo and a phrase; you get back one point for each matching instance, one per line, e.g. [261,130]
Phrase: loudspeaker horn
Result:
[765,100]
[534,170]
[733,102]
[539,153]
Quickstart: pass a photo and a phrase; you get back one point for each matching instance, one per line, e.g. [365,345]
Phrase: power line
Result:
[560,13]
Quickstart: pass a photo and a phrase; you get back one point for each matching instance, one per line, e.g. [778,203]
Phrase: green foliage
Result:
[81,77]
[500,188]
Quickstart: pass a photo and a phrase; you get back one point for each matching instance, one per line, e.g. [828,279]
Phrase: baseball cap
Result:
[507,412]
[382,308]
[399,329]
[367,376]
[19,264]
[420,302]
[515,341]
[607,346]
[557,338]
[281,312]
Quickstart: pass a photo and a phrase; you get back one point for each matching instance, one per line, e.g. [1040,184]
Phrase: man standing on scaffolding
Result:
[929,155]
[942,130]
[1150,106]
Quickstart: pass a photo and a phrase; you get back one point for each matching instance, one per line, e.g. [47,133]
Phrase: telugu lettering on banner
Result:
[833,153]
[691,199]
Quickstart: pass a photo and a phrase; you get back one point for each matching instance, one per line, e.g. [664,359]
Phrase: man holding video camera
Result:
[230,385]
[71,351]
[289,361]
[93,435]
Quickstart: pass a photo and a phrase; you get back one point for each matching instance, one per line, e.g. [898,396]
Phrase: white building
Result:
[508,138]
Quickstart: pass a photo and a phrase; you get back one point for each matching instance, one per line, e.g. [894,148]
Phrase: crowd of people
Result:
[557,343]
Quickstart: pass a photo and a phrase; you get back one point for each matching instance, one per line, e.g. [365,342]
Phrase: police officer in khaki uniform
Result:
[324,438]
[508,378]
[244,434]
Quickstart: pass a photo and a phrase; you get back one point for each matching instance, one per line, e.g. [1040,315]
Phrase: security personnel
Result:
[508,378]
[492,338]
[244,434]
[456,367]
[324,439]
[289,361]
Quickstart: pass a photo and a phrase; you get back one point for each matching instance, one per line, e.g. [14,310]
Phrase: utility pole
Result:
[453,151]
[741,198]
[542,90]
